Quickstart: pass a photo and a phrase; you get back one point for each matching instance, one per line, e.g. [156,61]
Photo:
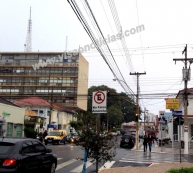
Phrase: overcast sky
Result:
[168,27]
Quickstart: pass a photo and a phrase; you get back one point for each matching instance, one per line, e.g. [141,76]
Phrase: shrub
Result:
[30,132]
[181,170]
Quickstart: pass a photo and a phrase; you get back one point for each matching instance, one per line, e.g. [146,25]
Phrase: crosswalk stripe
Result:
[65,164]
[107,165]
[59,158]
[79,168]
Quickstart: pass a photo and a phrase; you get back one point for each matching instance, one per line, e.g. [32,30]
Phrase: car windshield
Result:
[5,147]
[54,133]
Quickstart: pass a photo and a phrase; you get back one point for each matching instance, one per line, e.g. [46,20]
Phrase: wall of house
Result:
[14,122]
[190,112]
[82,83]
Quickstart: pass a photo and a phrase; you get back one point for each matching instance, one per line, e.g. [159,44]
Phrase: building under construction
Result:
[57,77]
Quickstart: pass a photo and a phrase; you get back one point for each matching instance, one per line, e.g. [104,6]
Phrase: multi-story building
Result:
[57,77]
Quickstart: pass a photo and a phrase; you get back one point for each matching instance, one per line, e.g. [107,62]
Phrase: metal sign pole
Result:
[173,139]
[180,136]
[161,139]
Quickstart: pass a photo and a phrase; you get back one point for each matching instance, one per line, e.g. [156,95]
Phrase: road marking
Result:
[133,161]
[65,164]
[59,158]
[107,165]
[79,168]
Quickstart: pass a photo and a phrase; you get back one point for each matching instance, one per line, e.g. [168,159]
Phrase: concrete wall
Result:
[14,122]
[82,83]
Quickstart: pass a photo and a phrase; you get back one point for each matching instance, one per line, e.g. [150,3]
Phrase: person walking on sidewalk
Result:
[150,140]
[145,143]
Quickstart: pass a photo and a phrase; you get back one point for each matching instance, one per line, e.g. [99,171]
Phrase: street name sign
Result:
[172,103]
[177,113]
[99,102]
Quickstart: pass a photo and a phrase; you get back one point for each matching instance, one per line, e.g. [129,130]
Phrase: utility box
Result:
[186,74]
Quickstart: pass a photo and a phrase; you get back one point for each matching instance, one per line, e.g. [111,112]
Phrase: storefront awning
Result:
[30,113]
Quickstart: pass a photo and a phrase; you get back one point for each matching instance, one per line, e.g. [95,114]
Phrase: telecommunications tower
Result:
[28,43]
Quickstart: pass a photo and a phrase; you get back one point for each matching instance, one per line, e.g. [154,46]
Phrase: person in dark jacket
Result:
[45,133]
[150,141]
[145,143]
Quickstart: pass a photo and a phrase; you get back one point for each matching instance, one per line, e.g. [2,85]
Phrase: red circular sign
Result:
[99,99]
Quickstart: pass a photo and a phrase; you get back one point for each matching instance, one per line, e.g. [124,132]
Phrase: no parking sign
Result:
[99,102]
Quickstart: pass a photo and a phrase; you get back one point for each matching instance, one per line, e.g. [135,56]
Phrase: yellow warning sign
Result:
[172,103]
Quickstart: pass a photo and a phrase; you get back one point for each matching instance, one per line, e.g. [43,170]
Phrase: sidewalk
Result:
[154,167]
[163,149]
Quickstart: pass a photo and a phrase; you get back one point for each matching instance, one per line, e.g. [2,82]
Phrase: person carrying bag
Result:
[145,143]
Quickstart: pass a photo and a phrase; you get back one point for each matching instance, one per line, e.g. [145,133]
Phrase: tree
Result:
[99,146]
[115,116]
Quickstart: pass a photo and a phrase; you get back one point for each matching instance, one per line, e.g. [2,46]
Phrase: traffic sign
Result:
[172,103]
[179,121]
[99,102]
[177,113]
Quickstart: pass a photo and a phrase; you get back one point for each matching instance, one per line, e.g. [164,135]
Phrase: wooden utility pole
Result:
[186,77]
[137,108]
[51,108]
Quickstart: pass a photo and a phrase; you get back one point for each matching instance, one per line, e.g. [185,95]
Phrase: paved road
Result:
[70,158]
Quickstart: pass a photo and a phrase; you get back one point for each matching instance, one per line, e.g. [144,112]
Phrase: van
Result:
[56,136]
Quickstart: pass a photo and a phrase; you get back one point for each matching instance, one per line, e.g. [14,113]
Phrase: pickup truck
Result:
[56,136]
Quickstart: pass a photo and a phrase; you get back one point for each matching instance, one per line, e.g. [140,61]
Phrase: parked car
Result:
[25,155]
[127,140]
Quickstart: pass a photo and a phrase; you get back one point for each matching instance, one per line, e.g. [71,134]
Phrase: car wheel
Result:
[121,145]
[58,142]
[64,142]
[46,143]
[52,168]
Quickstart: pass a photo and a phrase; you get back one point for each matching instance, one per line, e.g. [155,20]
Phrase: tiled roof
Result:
[60,107]
[189,90]
[4,101]
[32,101]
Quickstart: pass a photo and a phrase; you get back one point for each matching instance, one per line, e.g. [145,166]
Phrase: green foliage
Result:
[115,116]
[100,145]
[181,170]
[30,132]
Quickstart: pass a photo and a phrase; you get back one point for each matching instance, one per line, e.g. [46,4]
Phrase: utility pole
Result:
[51,108]
[186,77]
[137,107]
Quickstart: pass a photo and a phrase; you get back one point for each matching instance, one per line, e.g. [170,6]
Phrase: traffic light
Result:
[108,93]
[136,117]
[137,114]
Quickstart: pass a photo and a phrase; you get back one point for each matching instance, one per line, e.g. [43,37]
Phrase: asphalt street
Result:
[70,158]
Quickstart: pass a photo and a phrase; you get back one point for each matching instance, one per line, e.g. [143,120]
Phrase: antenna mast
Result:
[66,43]
[28,42]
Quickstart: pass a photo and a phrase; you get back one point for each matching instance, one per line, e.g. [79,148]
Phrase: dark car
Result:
[25,155]
[127,140]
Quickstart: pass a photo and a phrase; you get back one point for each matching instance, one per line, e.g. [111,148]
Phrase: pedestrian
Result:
[45,134]
[145,143]
[150,140]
